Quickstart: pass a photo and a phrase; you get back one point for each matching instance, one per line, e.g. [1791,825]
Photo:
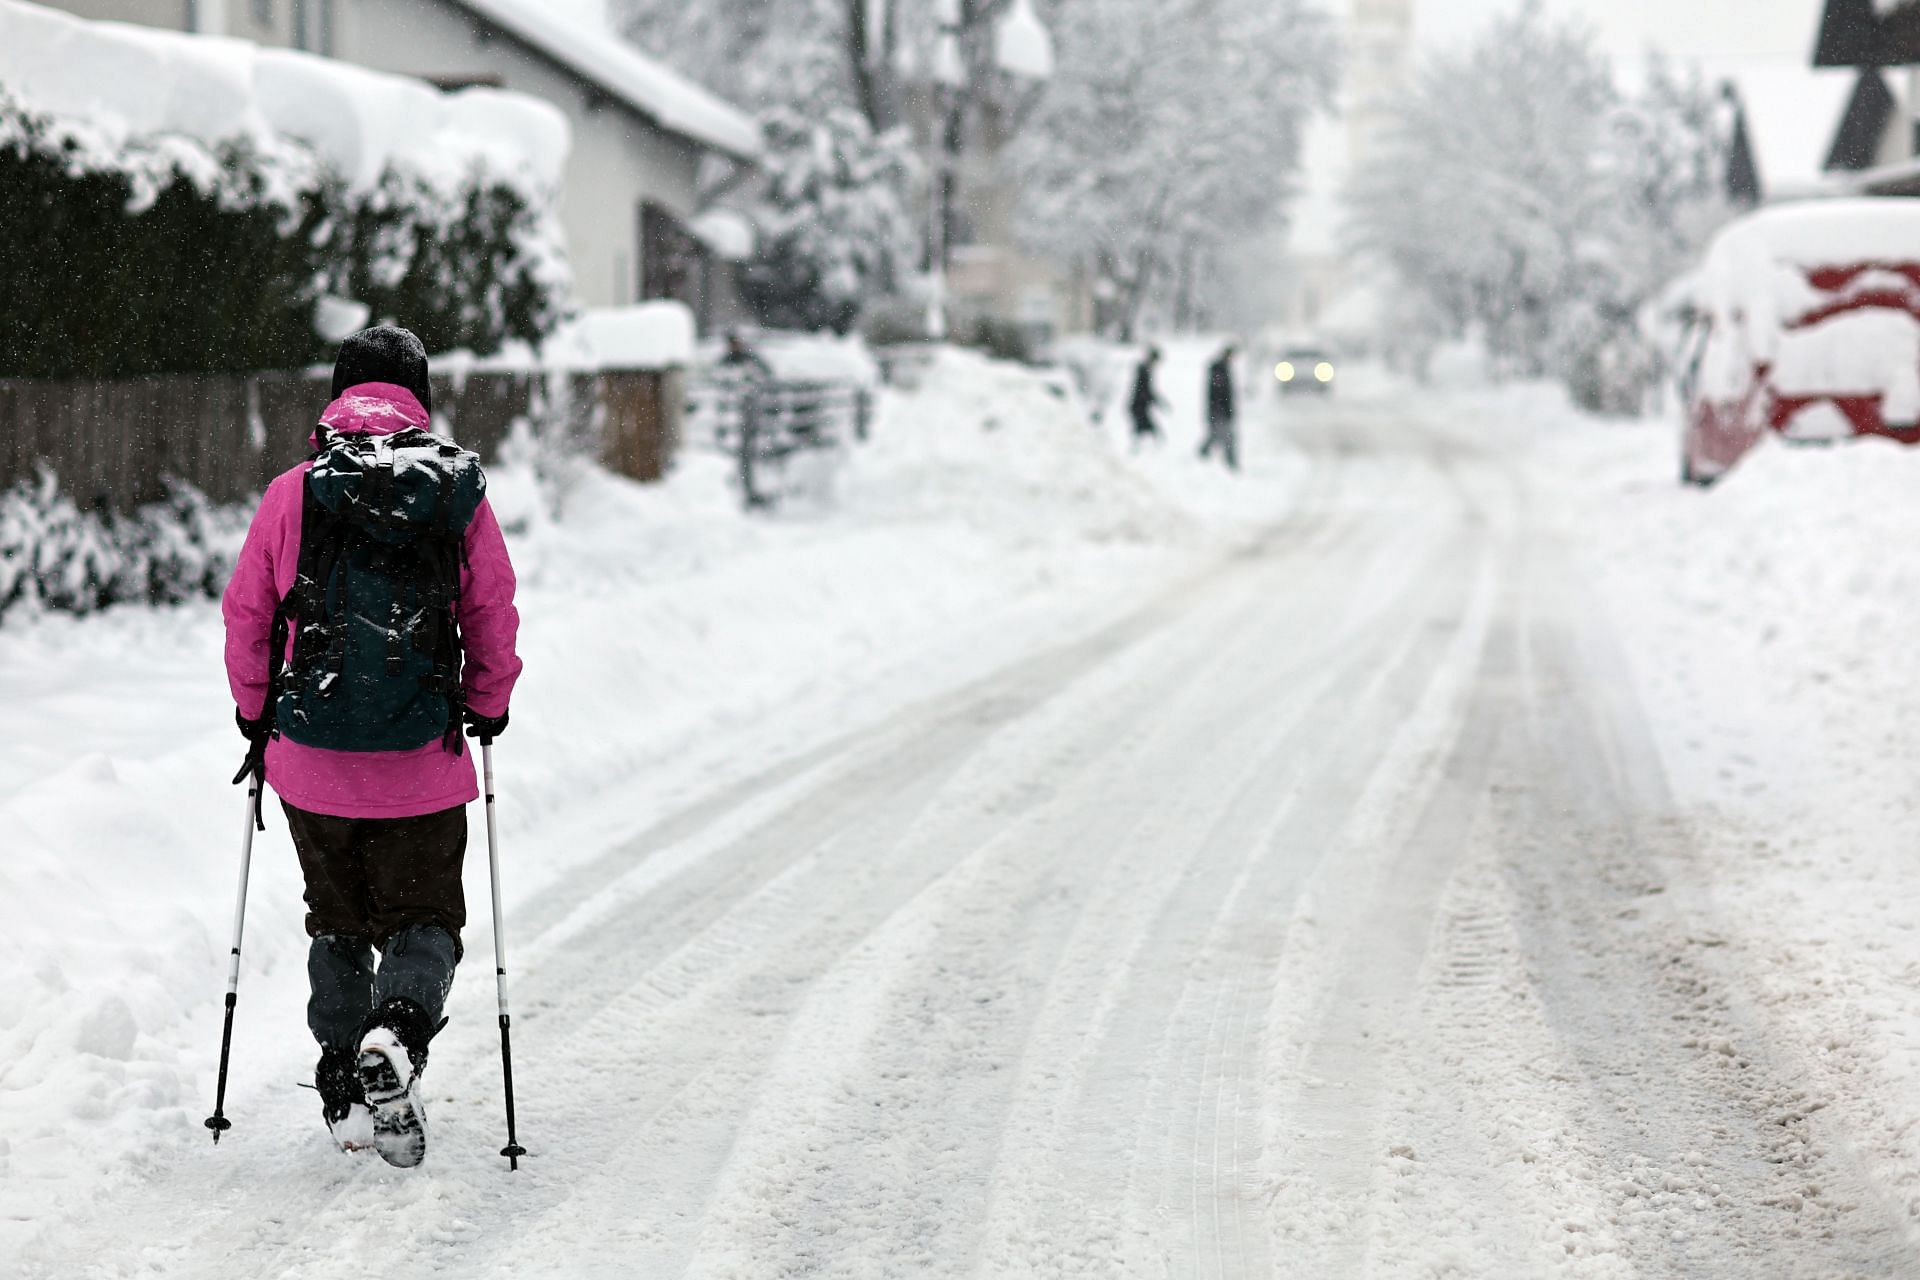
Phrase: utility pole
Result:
[1020,47]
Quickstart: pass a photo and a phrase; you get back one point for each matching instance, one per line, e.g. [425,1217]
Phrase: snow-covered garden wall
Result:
[139,169]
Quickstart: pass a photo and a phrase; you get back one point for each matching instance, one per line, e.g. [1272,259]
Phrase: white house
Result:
[641,131]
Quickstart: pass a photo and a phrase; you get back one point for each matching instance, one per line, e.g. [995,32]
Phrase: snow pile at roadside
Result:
[1029,464]
[1768,621]
[672,646]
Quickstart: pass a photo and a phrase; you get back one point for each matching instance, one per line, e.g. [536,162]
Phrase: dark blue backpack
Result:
[374,609]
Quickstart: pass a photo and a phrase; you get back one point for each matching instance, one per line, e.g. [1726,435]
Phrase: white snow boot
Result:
[392,1052]
[343,1102]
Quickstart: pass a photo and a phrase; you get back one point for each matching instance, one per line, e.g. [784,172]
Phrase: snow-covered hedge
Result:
[467,270]
[181,204]
[55,556]
[159,255]
[166,255]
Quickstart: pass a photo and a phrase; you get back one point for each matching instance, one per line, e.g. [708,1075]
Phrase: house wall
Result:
[619,160]
[171,14]
[263,21]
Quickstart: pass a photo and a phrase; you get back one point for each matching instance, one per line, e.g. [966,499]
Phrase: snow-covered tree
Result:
[1524,197]
[790,54]
[1171,131]
[833,225]
[873,56]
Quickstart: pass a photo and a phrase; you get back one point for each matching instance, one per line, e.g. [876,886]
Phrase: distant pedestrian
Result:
[745,372]
[742,360]
[1221,432]
[1146,399]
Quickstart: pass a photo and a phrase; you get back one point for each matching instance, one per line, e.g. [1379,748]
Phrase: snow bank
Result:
[1767,624]
[128,81]
[818,357]
[1026,459]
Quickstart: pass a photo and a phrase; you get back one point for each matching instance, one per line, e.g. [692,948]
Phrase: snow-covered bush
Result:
[832,220]
[466,268]
[55,556]
[154,255]
[165,254]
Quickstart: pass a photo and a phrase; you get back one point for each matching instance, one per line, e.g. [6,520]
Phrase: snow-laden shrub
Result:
[155,255]
[55,556]
[464,268]
[166,255]
[833,230]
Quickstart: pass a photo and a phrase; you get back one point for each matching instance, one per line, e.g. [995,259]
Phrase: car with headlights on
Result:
[1305,369]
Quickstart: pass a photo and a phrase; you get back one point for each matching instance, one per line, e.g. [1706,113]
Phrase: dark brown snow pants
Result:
[390,885]
[369,878]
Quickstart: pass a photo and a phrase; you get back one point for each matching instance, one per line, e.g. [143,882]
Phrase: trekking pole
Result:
[513,1150]
[218,1121]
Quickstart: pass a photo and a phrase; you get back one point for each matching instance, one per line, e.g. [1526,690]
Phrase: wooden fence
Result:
[764,423]
[114,442]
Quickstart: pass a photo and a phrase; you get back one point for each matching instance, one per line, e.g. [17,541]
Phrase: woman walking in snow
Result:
[369,618]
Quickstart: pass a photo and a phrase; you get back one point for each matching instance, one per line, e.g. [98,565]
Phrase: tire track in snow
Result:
[906,939]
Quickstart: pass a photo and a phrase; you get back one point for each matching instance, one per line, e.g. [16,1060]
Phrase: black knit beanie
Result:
[384,353]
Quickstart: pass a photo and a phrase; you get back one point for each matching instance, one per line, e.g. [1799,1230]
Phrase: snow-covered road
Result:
[1307,920]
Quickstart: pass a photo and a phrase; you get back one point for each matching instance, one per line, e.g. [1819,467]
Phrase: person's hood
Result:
[374,409]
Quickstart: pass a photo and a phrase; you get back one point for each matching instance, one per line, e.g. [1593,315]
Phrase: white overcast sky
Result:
[1712,29]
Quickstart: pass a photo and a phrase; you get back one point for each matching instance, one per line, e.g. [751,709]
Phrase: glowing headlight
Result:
[1323,371]
[1285,371]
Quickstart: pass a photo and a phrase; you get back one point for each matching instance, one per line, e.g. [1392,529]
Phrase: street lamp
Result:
[1021,45]
[1022,48]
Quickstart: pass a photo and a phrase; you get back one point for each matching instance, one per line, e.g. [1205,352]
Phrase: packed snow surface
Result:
[1449,849]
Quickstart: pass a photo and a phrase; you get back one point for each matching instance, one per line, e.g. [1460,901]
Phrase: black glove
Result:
[485,728]
[255,732]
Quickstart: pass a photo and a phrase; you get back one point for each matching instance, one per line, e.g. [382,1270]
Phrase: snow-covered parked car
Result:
[1804,321]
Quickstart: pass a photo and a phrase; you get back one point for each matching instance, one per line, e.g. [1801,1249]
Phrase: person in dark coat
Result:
[1220,411]
[1146,399]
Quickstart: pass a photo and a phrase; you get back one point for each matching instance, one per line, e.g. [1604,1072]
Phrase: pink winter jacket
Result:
[368,784]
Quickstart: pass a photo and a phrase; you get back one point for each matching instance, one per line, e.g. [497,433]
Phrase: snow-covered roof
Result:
[616,67]
[1792,114]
